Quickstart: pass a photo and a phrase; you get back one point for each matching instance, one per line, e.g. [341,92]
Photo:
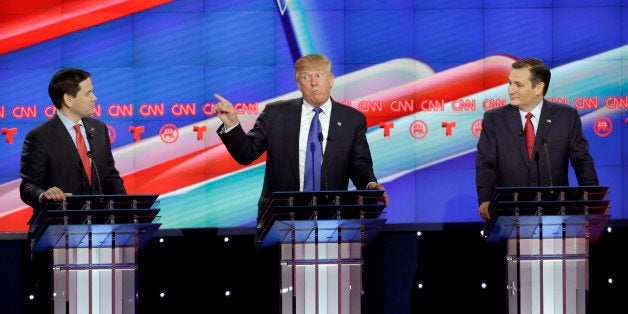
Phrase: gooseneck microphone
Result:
[313,150]
[538,170]
[90,154]
[323,176]
[547,158]
[95,167]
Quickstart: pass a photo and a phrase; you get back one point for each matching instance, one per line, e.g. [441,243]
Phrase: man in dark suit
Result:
[281,130]
[503,159]
[50,166]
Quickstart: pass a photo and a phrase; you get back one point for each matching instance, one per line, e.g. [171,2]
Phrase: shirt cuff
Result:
[226,130]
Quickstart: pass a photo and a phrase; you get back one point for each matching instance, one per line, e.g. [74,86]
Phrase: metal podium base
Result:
[548,231]
[321,278]
[322,235]
[95,240]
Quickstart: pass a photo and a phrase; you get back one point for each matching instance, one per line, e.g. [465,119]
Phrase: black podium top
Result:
[558,206]
[326,210]
[99,216]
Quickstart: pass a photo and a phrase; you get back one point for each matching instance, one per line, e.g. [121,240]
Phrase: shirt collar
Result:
[326,107]
[69,124]
[536,112]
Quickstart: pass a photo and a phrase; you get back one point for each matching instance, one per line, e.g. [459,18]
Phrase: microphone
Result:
[95,167]
[320,139]
[323,177]
[90,136]
[549,167]
[313,150]
[538,170]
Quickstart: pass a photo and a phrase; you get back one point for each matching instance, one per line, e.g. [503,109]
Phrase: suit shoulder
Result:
[499,111]
[283,105]
[347,109]
[93,121]
[559,108]
[44,127]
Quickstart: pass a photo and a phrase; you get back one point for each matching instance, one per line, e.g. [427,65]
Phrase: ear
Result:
[539,88]
[67,99]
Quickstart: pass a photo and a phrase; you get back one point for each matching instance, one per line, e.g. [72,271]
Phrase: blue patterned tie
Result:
[313,156]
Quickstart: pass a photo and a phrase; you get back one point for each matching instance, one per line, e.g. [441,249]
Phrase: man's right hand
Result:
[483,210]
[53,194]
[226,112]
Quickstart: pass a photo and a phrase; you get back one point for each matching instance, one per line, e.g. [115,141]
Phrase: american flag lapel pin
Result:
[549,120]
[339,123]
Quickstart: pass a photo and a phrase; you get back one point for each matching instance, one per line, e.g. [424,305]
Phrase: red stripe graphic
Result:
[25,23]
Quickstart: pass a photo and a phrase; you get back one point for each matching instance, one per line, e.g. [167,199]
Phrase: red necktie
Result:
[82,150]
[529,133]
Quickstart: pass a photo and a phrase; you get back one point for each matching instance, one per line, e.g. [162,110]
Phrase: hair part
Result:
[65,81]
[539,72]
[311,60]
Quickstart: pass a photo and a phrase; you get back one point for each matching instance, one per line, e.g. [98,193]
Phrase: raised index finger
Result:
[220,97]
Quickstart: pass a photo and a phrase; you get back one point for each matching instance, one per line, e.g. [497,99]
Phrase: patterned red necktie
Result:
[82,150]
[529,133]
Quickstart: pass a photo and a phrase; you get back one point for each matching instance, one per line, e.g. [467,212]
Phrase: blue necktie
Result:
[313,155]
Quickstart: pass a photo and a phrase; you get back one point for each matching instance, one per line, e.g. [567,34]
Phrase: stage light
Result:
[31,297]
[483,285]
[610,281]
[227,293]
[609,229]
[419,285]
[419,233]
[161,240]
[226,239]
[162,295]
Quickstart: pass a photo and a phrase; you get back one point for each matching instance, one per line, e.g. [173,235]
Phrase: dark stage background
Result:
[195,269]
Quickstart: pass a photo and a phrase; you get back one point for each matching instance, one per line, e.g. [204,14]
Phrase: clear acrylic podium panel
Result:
[321,236]
[548,231]
[327,278]
[95,250]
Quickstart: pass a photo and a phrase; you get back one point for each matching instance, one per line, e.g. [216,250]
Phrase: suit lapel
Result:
[516,131]
[334,131]
[545,124]
[292,124]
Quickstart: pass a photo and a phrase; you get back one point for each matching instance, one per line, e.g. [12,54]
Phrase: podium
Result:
[322,237]
[95,240]
[548,231]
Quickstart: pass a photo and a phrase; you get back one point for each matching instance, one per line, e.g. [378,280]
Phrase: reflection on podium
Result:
[95,240]
[548,231]
[322,237]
